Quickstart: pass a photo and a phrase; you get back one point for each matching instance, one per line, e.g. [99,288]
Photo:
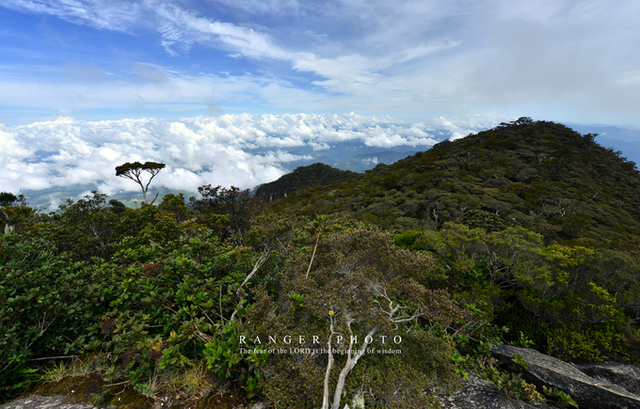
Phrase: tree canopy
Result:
[7,199]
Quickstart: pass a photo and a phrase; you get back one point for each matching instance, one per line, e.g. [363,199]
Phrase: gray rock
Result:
[588,392]
[480,394]
[63,402]
[45,402]
[627,376]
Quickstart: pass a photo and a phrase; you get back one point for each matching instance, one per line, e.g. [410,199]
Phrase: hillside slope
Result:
[317,174]
[540,175]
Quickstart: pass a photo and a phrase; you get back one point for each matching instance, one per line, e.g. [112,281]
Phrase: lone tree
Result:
[134,171]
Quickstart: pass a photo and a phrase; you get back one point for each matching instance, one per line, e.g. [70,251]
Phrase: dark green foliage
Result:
[7,199]
[238,204]
[136,168]
[303,177]
[13,211]
[157,293]
[540,175]
[175,205]
[482,219]
[84,228]
[528,233]
[559,296]
[42,305]
[354,276]
[407,239]
[117,206]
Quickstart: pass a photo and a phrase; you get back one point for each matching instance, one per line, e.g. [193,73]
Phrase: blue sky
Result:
[107,59]
[75,74]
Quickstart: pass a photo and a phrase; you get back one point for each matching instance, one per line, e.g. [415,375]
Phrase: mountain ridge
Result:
[541,175]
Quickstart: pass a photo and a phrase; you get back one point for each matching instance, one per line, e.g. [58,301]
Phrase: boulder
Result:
[588,392]
[480,394]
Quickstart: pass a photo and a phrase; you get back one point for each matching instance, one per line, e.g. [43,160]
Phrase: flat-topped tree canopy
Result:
[134,172]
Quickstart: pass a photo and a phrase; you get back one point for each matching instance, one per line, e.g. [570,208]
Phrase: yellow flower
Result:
[330,312]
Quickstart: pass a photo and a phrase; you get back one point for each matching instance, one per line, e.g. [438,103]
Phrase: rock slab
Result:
[480,394]
[588,392]
[45,402]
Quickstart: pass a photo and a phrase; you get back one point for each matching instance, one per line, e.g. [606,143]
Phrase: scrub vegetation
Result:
[381,290]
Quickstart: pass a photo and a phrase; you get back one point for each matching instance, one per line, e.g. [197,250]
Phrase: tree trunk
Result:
[348,366]
[8,228]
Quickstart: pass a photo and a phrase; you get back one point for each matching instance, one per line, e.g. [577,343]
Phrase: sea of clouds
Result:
[229,150]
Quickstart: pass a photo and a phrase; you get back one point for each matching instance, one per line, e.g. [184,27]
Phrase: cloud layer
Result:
[240,150]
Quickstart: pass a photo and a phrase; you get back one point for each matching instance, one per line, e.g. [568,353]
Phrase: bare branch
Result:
[263,257]
[396,312]
[325,394]
[313,255]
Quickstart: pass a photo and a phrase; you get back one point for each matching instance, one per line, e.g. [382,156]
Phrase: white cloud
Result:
[156,88]
[176,26]
[270,7]
[186,27]
[111,15]
[10,147]
[426,49]
[241,150]
[463,125]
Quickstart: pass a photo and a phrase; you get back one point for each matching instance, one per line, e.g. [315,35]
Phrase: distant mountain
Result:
[351,155]
[622,139]
[303,177]
[541,175]
[357,163]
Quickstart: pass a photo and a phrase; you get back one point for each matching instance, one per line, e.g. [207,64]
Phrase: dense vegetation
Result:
[538,175]
[526,234]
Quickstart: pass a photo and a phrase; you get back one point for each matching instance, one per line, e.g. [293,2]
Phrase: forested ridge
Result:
[539,175]
[384,290]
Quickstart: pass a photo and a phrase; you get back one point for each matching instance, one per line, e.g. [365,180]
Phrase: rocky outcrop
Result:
[45,402]
[479,394]
[587,391]
[66,402]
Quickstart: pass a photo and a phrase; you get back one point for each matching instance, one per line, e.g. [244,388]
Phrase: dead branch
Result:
[263,257]
[313,255]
